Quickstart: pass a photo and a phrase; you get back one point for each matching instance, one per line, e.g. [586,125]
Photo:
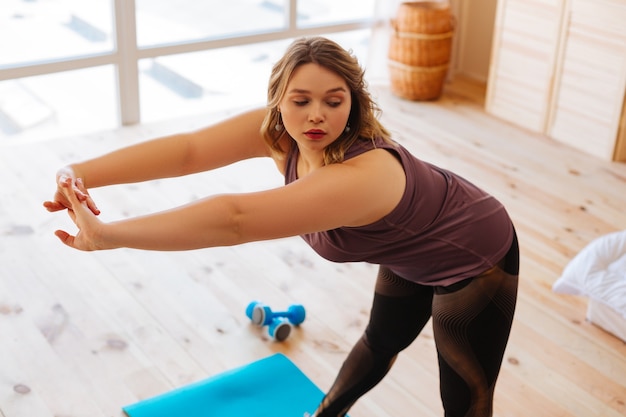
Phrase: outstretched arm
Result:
[354,193]
[220,144]
[223,143]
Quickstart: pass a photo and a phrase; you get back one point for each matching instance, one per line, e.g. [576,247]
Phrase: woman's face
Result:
[315,107]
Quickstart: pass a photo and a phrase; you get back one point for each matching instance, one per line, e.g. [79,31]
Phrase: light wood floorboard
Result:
[84,334]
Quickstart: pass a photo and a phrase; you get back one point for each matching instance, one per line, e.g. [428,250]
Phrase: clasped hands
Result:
[73,196]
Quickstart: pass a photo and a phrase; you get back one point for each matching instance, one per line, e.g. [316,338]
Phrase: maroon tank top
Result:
[443,230]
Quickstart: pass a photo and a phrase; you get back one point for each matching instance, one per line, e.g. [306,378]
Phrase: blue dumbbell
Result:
[279,322]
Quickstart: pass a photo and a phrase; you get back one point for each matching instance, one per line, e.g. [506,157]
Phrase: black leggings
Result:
[471,323]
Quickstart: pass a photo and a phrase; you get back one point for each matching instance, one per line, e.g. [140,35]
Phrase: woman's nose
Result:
[315,114]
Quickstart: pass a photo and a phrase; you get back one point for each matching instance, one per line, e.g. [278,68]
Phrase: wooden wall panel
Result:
[524,52]
[591,80]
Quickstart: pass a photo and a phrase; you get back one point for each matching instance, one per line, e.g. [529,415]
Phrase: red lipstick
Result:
[315,134]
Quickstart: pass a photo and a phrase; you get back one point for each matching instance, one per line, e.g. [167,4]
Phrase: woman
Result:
[446,249]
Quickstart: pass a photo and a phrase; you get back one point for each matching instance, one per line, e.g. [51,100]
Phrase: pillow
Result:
[598,271]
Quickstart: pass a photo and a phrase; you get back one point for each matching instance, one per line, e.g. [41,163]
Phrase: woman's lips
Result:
[315,134]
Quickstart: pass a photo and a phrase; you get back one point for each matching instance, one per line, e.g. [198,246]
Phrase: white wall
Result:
[473,37]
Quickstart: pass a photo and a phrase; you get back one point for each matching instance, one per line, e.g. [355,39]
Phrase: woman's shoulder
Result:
[362,145]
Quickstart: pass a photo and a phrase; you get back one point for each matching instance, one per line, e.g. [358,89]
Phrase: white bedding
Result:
[608,319]
[598,271]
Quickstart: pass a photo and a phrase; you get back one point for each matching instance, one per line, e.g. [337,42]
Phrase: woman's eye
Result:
[305,102]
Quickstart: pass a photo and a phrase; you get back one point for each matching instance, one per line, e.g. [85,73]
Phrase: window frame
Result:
[126,54]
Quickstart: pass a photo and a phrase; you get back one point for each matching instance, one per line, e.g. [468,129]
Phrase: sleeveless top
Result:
[443,230]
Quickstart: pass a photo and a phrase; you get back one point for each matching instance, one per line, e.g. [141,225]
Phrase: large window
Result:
[45,30]
[163,22]
[71,66]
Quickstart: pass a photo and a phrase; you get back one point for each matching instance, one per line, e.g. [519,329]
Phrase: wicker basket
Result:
[417,83]
[424,17]
[419,49]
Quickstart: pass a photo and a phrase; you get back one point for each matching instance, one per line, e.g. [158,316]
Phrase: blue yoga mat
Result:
[272,387]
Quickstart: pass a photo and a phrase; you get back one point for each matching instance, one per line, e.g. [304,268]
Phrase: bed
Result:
[598,272]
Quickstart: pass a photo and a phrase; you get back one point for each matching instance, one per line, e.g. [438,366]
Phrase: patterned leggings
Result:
[471,323]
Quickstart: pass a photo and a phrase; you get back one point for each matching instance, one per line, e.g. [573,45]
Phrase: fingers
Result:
[65,237]
[67,188]
[92,206]
[74,204]
[77,187]
[80,190]
[83,195]
[53,206]
[68,183]
[73,196]
[68,240]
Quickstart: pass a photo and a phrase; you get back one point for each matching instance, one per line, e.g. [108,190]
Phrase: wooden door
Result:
[591,79]
[524,53]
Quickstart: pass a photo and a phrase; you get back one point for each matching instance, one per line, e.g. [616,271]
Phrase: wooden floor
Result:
[83,334]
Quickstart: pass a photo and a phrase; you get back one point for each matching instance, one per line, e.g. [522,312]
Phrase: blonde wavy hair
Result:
[364,113]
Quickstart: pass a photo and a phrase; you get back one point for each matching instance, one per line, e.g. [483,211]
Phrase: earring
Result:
[347,129]
[279,126]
